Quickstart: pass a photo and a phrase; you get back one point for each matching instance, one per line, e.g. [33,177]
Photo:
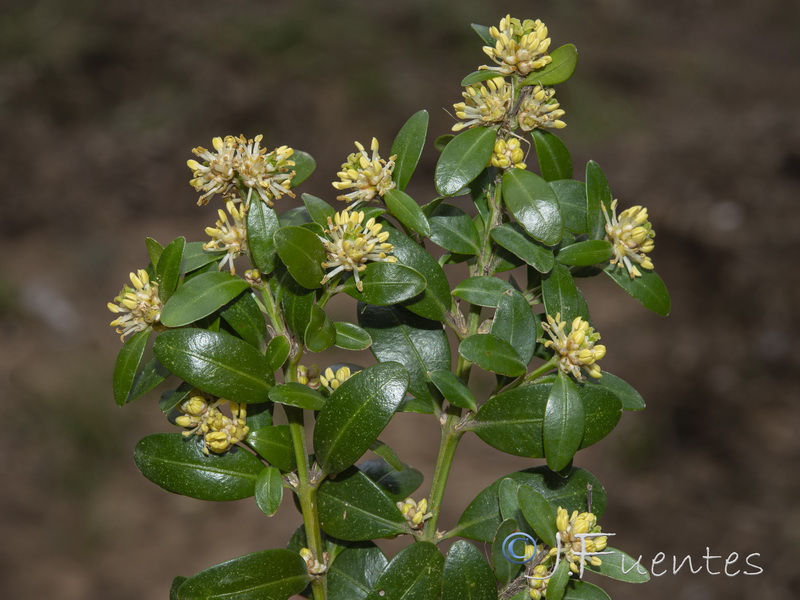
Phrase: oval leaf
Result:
[514,323]
[620,566]
[454,390]
[585,254]
[467,575]
[512,421]
[414,574]
[320,333]
[564,423]
[602,411]
[407,211]
[453,230]
[274,444]
[201,296]
[355,570]
[168,269]
[649,289]
[297,394]
[407,146]
[482,290]
[385,283]
[562,296]
[303,254]
[463,159]
[505,570]
[598,194]
[534,205]
[128,360]
[628,396]
[583,590]
[492,354]
[269,490]
[304,166]
[571,196]
[246,319]
[351,337]
[318,210]
[262,223]
[514,239]
[195,257]
[554,159]
[561,68]
[539,514]
[398,485]
[479,76]
[277,352]
[151,375]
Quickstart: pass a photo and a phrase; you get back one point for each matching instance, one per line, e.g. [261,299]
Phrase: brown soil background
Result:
[689,106]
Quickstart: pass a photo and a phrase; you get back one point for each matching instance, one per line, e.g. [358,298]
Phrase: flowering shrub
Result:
[237,344]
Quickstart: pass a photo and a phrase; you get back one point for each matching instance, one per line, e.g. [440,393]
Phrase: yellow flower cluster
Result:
[414,512]
[350,244]
[229,235]
[331,381]
[508,154]
[220,432]
[483,104]
[537,582]
[576,350]
[631,235]
[572,546]
[308,376]
[540,109]
[139,306]
[520,46]
[268,174]
[368,176]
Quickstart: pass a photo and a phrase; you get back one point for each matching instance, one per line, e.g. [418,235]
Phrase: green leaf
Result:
[598,194]
[440,142]
[171,398]
[554,159]
[513,238]
[572,202]
[454,390]
[466,575]
[482,517]
[453,230]
[558,581]
[534,205]
[514,323]
[177,464]
[168,270]
[304,166]
[303,254]
[151,375]
[297,394]
[562,296]
[201,296]
[387,454]
[318,209]
[564,423]
[418,344]
[414,574]
[262,223]
[407,211]
[356,413]
[352,507]
[154,250]
[504,570]
[277,352]
[561,68]
[463,159]
[407,146]
[649,289]
[482,290]
[216,363]
[385,283]
[354,571]
[602,411]
[265,575]
[259,415]
[245,317]
[483,33]
[269,490]
[628,396]
[127,365]
[479,76]
[351,337]
[539,514]
[195,257]
[585,254]
[176,584]
[296,301]
[512,421]
[492,354]
[398,485]
[508,496]
[320,333]
[583,590]
[274,444]
[620,566]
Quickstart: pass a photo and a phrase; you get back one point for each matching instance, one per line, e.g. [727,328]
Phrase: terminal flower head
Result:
[415,512]
[540,109]
[575,350]
[631,235]
[575,547]
[229,235]
[483,104]
[220,431]
[368,176]
[350,244]
[269,174]
[138,307]
[520,46]
[215,175]
[331,381]
[508,154]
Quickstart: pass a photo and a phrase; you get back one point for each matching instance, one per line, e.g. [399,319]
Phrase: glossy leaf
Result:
[562,296]
[504,570]
[398,485]
[482,290]
[598,194]
[318,209]
[483,33]
[552,154]
[154,250]
[274,444]
[246,319]
[354,571]
[385,284]
[151,375]
[454,390]
[355,414]
[303,254]
[320,333]
[296,301]
[387,454]
[304,166]
[171,398]
[627,395]
[168,270]
[216,363]
[177,464]
[539,514]
[415,573]
[479,76]
[463,159]
[492,354]
[534,205]
[467,575]
[265,575]
[297,394]
[508,497]
[512,421]
[440,142]
[262,223]
[407,146]
[513,238]
[277,352]
[201,296]
[128,360]
[649,289]
[453,230]
[602,411]
[351,337]
[561,68]
[259,415]
[621,567]
[407,211]
[352,507]
[269,490]
[585,254]
[564,423]
[571,197]
[583,590]
[558,581]
[514,323]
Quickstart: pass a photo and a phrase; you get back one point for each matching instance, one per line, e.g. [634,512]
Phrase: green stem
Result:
[550,364]
[447,450]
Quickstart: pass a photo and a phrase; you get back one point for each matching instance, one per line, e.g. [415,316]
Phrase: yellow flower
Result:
[508,154]
[537,582]
[332,380]
[269,174]
[414,512]
[483,104]
[366,176]
[573,546]
[219,431]
[576,350]
[520,47]
[631,235]
[308,376]
[139,307]
[215,174]
[229,235]
[350,244]
[538,109]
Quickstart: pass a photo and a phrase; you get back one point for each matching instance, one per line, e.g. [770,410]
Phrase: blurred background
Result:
[689,106]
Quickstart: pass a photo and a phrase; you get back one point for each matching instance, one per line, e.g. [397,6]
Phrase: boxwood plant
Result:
[239,322]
